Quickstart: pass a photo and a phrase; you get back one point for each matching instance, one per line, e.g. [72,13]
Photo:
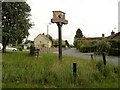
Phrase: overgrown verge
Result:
[23,71]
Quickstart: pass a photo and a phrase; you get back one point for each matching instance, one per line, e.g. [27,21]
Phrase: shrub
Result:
[115,47]
[102,46]
[107,71]
[87,48]
[115,43]
[114,51]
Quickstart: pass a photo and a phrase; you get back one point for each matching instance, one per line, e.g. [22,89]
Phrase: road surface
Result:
[87,56]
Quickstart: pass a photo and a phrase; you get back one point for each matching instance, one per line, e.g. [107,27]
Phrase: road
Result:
[87,56]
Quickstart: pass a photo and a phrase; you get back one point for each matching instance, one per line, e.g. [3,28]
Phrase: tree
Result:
[66,42]
[49,37]
[79,33]
[78,36]
[15,22]
[55,43]
[28,41]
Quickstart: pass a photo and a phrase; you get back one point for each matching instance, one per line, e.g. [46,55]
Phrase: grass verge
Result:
[19,70]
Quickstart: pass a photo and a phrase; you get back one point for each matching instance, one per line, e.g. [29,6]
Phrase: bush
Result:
[103,69]
[115,43]
[115,47]
[102,46]
[114,51]
[87,48]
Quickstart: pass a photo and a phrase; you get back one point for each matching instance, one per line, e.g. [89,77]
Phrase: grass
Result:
[19,70]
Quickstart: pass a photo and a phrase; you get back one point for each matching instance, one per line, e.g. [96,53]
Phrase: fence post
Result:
[104,58]
[91,56]
[74,71]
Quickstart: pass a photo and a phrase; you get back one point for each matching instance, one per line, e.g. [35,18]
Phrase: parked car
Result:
[11,49]
[1,46]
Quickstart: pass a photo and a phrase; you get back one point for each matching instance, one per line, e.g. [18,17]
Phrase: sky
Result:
[93,17]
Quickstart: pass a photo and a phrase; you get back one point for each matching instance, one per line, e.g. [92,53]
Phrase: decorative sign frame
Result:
[59,17]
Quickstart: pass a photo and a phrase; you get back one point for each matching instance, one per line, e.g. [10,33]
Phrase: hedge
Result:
[86,49]
[114,51]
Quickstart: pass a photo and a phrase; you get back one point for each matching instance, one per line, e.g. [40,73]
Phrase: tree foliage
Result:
[15,22]
[102,46]
[55,42]
[66,42]
[79,33]
[28,41]
[78,36]
[49,37]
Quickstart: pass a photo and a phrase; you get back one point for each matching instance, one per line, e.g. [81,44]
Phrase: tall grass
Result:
[23,71]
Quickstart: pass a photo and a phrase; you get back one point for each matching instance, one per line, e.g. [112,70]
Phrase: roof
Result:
[113,36]
[92,38]
[59,11]
[43,37]
[109,37]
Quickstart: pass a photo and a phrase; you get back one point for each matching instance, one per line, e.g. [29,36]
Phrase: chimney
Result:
[112,33]
[103,35]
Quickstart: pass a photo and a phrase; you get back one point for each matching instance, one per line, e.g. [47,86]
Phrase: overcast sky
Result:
[93,17]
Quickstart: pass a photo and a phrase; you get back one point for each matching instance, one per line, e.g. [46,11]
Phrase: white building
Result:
[41,41]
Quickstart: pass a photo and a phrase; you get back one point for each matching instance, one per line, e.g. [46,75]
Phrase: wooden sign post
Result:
[59,19]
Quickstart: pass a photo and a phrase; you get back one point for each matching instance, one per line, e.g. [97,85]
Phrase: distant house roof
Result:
[92,38]
[114,36]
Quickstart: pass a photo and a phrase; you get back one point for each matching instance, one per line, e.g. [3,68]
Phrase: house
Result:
[87,40]
[113,35]
[41,41]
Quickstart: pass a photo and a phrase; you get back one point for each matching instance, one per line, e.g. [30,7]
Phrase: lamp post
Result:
[48,35]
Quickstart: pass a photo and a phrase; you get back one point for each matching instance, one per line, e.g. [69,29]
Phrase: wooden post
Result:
[91,56]
[104,58]
[74,71]
[60,40]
